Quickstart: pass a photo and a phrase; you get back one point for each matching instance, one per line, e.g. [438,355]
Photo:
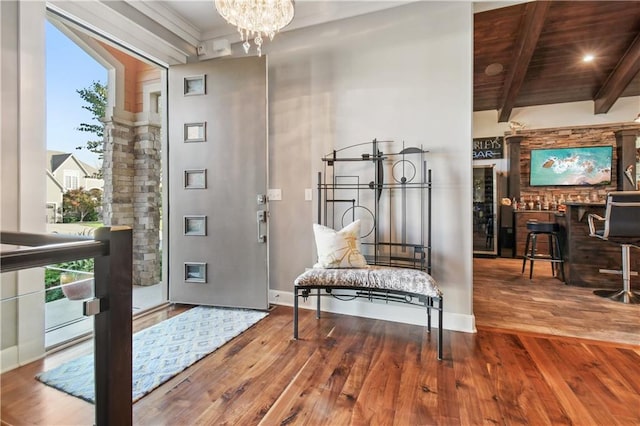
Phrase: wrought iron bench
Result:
[411,286]
[395,239]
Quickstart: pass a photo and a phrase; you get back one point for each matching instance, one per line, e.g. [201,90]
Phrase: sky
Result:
[69,68]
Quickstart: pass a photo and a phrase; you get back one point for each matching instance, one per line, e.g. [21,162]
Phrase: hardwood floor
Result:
[349,370]
[505,298]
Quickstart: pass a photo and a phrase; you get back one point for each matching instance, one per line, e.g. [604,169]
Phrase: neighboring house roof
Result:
[55,159]
[61,161]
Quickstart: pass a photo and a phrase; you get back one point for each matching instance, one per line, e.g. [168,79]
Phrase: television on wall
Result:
[579,166]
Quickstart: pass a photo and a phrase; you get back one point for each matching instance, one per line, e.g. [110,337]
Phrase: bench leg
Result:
[429,305]
[295,313]
[440,311]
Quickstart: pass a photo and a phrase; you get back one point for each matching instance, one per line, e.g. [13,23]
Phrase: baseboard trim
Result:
[8,359]
[396,312]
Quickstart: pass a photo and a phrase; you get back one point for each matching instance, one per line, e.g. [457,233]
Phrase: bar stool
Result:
[550,229]
[620,226]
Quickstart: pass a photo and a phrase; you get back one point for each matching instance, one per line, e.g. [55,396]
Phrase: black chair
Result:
[531,253]
[621,225]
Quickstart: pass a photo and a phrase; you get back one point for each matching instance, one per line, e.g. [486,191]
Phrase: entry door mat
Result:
[160,351]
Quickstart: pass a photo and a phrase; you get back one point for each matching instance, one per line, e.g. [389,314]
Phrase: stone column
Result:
[146,204]
[118,172]
[131,170]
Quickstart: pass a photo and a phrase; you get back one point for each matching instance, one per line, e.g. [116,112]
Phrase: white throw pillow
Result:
[339,249]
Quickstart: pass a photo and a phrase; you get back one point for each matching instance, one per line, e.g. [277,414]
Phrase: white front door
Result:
[217,159]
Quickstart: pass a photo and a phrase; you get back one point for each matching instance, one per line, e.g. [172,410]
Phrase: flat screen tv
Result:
[585,165]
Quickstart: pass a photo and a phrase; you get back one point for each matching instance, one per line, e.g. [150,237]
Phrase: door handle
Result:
[261,217]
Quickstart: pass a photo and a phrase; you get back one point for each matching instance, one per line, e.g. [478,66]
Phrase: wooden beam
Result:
[533,22]
[619,79]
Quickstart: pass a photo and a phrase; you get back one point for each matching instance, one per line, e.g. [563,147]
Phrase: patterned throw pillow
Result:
[339,249]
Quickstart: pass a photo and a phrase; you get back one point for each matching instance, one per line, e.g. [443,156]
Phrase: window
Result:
[71,179]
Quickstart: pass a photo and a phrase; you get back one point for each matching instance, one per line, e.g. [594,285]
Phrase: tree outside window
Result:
[80,205]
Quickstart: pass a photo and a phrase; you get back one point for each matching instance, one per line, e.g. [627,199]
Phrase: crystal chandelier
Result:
[256,18]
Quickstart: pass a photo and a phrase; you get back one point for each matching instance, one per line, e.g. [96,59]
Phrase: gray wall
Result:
[401,74]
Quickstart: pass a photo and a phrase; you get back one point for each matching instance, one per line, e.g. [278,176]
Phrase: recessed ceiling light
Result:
[588,57]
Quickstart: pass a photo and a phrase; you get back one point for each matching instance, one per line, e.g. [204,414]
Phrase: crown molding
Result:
[169,19]
[148,39]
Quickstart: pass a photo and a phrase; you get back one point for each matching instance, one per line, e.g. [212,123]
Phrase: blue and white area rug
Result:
[161,351]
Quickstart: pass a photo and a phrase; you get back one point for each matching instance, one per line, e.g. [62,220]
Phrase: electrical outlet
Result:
[274,194]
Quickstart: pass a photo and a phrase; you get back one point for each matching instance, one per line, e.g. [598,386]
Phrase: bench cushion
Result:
[372,277]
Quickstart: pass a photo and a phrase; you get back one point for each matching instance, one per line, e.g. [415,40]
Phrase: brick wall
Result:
[564,138]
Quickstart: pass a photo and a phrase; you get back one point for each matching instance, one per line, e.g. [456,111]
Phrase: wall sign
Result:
[488,148]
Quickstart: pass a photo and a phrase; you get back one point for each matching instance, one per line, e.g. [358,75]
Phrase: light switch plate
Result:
[274,194]
[308,194]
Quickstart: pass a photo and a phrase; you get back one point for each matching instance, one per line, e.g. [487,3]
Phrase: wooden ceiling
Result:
[540,46]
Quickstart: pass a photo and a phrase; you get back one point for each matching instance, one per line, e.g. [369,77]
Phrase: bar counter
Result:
[583,255]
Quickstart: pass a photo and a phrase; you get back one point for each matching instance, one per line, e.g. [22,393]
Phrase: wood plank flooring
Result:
[355,371]
[505,298]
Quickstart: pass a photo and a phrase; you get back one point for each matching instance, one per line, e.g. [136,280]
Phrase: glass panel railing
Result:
[23,311]
[66,288]
[35,384]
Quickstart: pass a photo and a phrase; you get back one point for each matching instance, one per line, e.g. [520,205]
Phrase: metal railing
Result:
[112,250]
